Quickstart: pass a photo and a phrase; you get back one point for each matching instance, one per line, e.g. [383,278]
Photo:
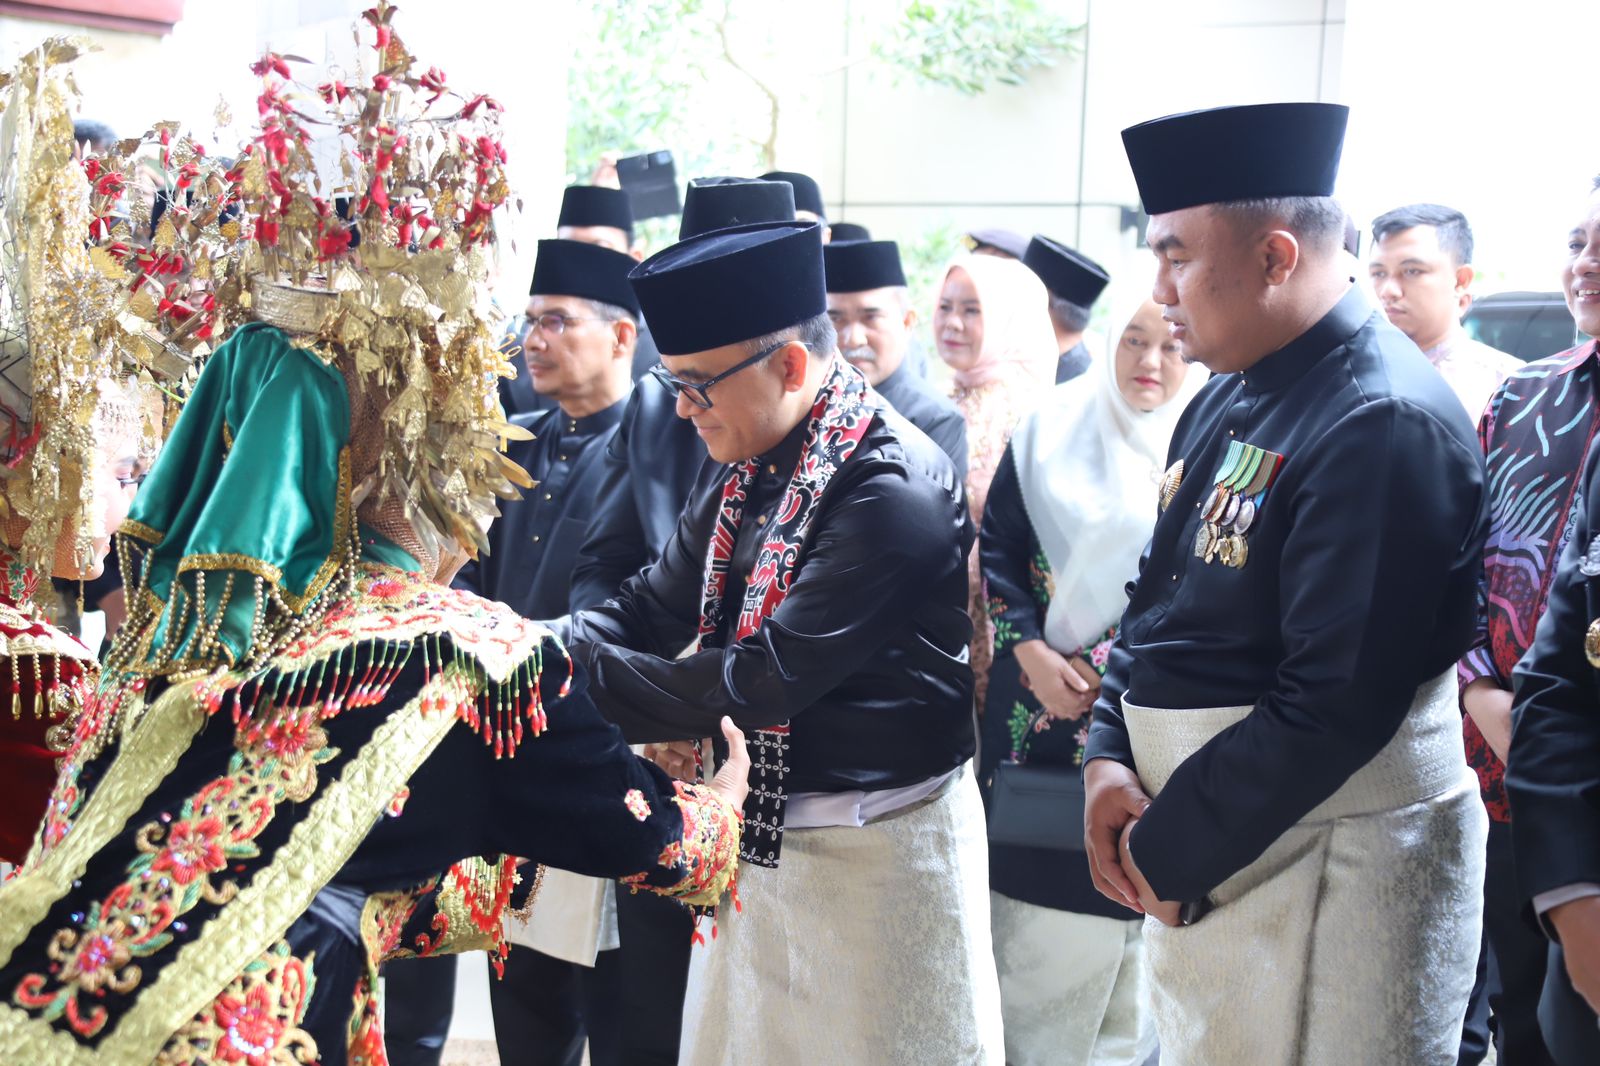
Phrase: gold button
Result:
[761,520]
[772,468]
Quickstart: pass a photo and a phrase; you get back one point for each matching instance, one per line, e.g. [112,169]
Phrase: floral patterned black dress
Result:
[1019,587]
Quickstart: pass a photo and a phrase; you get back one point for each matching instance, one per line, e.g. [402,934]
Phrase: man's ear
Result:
[627,333]
[794,358]
[1280,254]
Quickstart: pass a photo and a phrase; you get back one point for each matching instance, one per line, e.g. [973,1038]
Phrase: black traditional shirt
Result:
[1073,361]
[535,541]
[926,408]
[866,654]
[650,467]
[1358,587]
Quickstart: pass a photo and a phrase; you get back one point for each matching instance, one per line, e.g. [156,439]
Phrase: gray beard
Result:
[864,354]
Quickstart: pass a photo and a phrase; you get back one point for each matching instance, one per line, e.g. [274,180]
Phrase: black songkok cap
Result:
[721,203]
[596,205]
[1259,151]
[732,285]
[1008,241]
[850,231]
[857,266]
[807,194]
[1068,273]
[577,268]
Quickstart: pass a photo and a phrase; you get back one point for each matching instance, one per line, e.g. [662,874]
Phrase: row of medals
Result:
[1225,519]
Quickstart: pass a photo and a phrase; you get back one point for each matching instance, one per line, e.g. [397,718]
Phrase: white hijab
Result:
[1090,464]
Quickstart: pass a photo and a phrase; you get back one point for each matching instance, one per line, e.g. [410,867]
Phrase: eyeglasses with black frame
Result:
[697,391]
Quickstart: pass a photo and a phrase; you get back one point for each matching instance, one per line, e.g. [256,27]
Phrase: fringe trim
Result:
[358,676]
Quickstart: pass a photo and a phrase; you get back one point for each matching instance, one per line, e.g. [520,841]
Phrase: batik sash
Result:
[838,420]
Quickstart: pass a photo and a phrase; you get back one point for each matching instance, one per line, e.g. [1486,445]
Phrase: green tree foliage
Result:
[972,45]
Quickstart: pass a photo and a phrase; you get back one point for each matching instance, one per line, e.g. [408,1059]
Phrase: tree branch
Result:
[769,147]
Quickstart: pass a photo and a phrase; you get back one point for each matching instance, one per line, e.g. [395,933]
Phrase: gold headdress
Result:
[389,265]
[90,321]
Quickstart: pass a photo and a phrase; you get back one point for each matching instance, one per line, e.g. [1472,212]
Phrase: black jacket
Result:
[1360,586]
[867,654]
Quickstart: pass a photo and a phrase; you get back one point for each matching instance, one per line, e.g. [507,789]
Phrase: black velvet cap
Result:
[857,266]
[1008,241]
[1066,272]
[732,285]
[577,268]
[596,205]
[1253,152]
[719,203]
[807,194]
[850,231]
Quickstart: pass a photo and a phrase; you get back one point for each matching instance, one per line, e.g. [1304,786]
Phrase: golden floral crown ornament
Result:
[92,319]
[390,264]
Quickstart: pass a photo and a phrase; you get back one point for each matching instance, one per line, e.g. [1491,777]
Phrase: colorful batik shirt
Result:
[1535,434]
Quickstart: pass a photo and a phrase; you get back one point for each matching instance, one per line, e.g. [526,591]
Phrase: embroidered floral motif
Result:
[638,806]
[1041,580]
[470,908]
[179,857]
[382,921]
[397,806]
[255,1021]
[708,855]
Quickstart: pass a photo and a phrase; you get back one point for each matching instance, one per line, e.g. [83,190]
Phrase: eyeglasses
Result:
[697,390]
[556,324]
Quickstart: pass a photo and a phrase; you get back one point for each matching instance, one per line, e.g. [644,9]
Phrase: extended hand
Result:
[676,757]
[733,776]
[1112,799]
[1578,925]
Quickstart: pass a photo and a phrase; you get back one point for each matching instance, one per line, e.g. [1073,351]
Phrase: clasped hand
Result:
[1065,687]
[1114,801]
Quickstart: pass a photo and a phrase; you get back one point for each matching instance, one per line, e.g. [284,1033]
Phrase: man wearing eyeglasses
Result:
[822,571]
[559,987]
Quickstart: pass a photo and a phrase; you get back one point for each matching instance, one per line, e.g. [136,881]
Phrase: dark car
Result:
[1529,325]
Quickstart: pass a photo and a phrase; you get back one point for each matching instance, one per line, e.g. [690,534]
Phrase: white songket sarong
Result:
[866,945]
[1353,940]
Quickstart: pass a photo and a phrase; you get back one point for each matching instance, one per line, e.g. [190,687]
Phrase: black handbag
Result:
[1036,806]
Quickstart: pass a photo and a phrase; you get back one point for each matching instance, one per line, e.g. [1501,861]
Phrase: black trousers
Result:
[629,1006]
[655,934]
[419,998]
[1520,956]
[545,1008]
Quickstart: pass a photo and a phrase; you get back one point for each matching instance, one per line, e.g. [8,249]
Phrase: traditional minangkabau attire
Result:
[1283,681]
[89,322]
[306,754]
[1069,512]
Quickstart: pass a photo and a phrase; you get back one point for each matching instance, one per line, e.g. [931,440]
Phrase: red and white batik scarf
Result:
[838,421]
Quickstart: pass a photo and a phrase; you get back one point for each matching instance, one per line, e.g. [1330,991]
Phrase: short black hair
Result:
[1455,236]
[817,334]
[99,135]
[1317,220]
